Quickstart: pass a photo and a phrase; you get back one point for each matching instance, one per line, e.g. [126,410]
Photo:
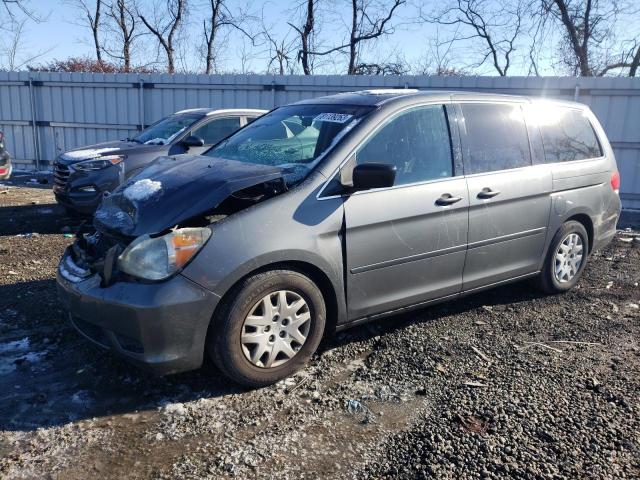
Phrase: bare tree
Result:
[438,59]
[369,20]
[388,68]
[220,17]
[164,27]
[13,54]
[122,28]
[305,33]
[13,7]
[635,61]
[281,53]
[91,15]
[589,33]
[497,25]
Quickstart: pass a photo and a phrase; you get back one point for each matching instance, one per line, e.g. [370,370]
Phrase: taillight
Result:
[615,182]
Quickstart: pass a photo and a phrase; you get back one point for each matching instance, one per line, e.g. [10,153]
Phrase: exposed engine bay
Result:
[159,204]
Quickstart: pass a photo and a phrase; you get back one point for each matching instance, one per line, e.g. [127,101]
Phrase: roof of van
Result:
[381,96]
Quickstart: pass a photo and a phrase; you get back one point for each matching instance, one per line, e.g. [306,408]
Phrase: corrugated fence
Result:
[43,114]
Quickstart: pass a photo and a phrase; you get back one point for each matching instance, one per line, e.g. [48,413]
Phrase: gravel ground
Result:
[508,383]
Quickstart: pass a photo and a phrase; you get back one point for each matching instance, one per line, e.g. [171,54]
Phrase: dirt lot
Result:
[504,383]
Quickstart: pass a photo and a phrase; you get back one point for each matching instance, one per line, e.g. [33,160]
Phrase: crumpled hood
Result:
[174,189]
[118,147]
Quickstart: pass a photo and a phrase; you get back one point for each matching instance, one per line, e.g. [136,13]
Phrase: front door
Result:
[406,244]
[509,199]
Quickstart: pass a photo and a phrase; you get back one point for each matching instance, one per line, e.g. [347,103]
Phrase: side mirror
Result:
[193,141]
[373,175]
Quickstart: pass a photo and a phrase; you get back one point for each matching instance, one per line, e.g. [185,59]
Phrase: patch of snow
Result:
[387,91]
[187,110]
[142,190]
[15,346]
[71,271]
[75,269]
[88,153]
[175,409]
[119,216]
[82,398]
[34,357]
[156,141]
[17,351]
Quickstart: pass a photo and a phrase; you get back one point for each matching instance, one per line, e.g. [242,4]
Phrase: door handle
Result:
[486,192]
[447,199]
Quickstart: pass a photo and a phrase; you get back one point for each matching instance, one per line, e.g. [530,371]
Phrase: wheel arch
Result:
[316,274]
[587,223]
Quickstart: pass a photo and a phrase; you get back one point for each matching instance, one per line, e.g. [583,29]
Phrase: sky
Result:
[61,35]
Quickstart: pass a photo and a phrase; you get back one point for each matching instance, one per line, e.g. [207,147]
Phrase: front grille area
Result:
[60,176]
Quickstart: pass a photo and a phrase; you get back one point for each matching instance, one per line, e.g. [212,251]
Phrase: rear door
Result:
[406,244]
[509,198]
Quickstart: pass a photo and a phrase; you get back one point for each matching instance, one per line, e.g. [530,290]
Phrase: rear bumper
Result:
[607,226]
[160,327]
[5,168]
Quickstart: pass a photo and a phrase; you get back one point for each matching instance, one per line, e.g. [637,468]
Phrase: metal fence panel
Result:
[46,113]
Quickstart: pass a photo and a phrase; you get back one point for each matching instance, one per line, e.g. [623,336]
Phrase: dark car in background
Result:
[5,160]
[84,175]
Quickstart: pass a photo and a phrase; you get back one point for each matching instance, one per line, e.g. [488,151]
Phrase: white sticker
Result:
[333,117]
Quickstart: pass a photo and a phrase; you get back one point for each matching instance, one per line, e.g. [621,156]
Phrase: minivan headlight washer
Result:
[157,258]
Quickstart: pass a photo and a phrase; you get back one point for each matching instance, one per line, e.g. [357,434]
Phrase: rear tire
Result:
[244,313]
[561,272]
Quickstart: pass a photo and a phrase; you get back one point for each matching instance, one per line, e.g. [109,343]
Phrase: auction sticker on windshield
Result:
[333,117]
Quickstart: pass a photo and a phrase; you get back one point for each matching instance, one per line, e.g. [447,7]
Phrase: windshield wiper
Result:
[129,139]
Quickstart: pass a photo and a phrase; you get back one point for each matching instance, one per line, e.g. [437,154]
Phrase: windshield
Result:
[295,137]
[167,129]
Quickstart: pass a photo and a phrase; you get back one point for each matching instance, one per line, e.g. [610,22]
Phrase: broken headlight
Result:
[160,257]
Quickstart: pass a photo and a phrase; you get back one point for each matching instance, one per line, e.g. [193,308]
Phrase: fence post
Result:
[141,103]
[576,92]
[34,125]
[273,93]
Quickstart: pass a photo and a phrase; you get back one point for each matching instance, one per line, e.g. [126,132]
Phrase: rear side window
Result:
[416,142]
[496,137]
[217,129]
[567,133]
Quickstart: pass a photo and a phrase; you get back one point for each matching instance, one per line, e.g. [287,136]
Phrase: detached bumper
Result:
[160,327]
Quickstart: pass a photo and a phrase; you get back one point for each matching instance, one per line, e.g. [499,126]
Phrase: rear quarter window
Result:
[567,133]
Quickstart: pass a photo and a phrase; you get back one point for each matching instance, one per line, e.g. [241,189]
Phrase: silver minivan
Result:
[334,211]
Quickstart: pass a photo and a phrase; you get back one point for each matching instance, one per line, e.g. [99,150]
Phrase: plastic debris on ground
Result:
[357,408]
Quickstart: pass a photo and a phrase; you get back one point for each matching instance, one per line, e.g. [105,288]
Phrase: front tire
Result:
[566,258]
[267,328]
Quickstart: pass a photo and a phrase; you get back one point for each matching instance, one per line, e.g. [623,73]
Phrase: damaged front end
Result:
[152,226]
